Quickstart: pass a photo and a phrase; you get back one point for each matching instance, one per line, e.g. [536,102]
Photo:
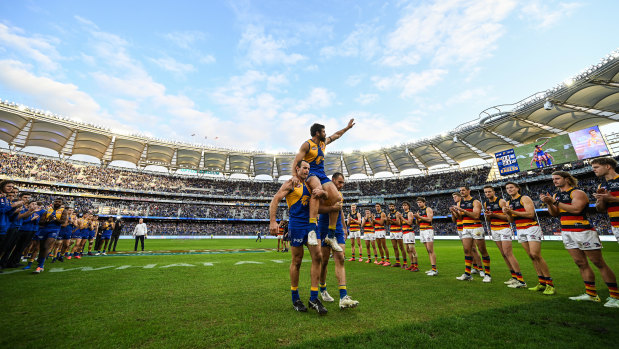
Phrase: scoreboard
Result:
[507,162]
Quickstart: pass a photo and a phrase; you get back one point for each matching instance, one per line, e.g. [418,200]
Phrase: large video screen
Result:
[544,152]
[589,143]
[550,151]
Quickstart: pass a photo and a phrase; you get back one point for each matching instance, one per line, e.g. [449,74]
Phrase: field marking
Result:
[178,252]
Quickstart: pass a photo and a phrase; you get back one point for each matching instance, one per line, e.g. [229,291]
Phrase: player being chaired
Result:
[299,227]
[313,152]
[354,232]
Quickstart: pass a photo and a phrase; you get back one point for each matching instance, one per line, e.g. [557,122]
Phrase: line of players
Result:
[36,232]
[569,204]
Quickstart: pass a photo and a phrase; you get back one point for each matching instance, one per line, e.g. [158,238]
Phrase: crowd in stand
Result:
[31,168]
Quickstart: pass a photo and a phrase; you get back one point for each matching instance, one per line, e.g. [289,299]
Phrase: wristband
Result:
[556,203]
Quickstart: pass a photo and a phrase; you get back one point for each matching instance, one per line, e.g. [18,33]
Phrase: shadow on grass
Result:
[554,323]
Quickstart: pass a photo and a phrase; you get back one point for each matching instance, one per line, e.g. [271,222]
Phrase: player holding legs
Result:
[340,272]
[379,231]
[521,211]
[368,234]
[470,211]
[502,235]
[426,232]
[354,222]
[607,195]
[394,219]
[579,237]
[313,152]
[299,227]
[408,236]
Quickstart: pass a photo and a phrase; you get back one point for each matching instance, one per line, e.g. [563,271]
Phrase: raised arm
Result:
[341,132]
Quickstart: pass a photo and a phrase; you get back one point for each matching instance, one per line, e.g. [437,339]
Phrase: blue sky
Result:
[257,74]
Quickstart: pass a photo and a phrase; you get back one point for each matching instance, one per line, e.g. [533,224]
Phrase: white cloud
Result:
[60,98]
[375,130]
[410,84]
[467,95]
[367,98]
[319,97]
[207,59]
[453,31]
[261,49]
[545,15]
[38,49]
[354,80]
[362,42]
[172,65]
[185,39]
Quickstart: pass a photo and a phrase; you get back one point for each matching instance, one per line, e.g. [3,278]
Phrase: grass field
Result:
[242,299]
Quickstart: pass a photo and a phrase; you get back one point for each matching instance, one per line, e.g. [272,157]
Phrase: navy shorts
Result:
[64,235]
[339,236]
[46,234]
[321,176]
[106,236]
[298,235]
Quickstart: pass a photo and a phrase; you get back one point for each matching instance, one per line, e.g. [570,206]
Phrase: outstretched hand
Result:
[351,123]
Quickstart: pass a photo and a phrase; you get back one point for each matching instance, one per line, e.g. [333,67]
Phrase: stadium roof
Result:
[592,98]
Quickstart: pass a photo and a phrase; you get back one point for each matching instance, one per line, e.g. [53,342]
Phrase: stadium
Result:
[213,275]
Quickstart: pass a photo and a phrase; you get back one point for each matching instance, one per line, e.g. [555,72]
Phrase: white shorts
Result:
[426,235]
[616,232]
[396,236]
[502,235]
[380,234]
[472,233]
[279,237]
[582,240]
[533,233]
[409,238]
[354,234]
[369,237]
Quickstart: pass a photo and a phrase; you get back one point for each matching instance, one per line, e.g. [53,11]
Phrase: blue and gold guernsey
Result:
[315,157]
[298,207]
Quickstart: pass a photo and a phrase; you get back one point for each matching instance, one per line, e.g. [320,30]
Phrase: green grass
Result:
[248,305]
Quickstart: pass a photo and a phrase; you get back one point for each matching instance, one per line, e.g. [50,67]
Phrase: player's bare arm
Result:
[284,190]
[303,150]
[339,133]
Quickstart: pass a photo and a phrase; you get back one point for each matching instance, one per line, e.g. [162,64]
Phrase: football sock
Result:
[590,288]
[486,261]
[313,293]
[323,287]
[549,281]
[343,292]
[295,293]
[519,277]
[468,260]
[612,288]
[541,280]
